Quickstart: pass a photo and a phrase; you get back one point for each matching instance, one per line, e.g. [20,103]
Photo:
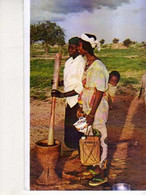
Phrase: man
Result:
[143,87]
[73,71]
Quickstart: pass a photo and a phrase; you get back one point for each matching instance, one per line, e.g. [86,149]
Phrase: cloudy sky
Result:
[107,19]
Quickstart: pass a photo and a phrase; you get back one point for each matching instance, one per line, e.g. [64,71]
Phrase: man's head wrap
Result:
[74,41]
[94,43]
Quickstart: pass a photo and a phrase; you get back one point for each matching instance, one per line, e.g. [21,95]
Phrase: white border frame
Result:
[27,91]
[14,102]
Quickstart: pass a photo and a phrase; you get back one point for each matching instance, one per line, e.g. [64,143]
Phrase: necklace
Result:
[88,63]
[87,66]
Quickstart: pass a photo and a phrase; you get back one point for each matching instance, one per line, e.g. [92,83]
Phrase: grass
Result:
[39,49]
[123,64]
[129,80]
[117,52]
[42,72]
[131,63]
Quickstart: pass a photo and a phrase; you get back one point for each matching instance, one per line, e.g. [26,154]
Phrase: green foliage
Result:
[102,41]
[129,80]
[115,40]
[127,42]
[33,33]
[49,33]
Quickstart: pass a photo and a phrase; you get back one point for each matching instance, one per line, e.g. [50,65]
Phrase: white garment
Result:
[103,130]
[73,73]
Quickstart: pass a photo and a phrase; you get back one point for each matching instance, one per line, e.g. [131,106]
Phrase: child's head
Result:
[114,78]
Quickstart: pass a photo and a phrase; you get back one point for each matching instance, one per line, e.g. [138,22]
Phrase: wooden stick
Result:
[57,65]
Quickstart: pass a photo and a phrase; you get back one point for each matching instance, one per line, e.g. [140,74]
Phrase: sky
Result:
[107,19]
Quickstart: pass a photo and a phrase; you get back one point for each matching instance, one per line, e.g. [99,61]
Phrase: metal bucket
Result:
[121,187]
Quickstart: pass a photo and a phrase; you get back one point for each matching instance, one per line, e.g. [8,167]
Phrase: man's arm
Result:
[56,93]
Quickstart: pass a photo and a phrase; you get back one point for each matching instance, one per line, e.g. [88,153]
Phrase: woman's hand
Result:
[80,112]
[89,119]
[56,93]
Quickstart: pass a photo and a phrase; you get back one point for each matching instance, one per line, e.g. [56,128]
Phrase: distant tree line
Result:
[126,42]
[51,34]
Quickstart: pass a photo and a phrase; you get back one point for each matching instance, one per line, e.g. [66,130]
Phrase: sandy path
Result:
[126,133]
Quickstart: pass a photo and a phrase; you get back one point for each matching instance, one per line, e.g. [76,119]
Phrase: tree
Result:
[127,42]
[33,34]
[115,40]
[102,41]
[47,32]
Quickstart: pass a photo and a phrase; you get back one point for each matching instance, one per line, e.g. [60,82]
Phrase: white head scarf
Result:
[94,43]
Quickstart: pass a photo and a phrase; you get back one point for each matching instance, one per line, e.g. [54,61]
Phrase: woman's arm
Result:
[90,116]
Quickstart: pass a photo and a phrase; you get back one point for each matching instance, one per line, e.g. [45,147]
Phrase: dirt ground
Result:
[126,144]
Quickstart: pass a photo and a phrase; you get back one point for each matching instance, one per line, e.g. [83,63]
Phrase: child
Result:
[109,95]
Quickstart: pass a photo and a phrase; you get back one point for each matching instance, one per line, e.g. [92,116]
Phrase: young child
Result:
[109,95]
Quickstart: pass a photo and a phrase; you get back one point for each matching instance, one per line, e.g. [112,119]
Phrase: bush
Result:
[127,42]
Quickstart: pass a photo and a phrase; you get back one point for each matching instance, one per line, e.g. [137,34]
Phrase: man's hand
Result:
[60,83]
[56,93]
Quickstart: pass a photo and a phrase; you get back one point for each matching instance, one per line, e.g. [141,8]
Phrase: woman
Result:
[95,83]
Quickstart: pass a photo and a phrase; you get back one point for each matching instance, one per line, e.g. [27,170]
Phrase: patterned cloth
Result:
[96,76]
[110,93]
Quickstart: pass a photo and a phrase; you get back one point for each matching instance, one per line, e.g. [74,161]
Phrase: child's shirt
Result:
[110,93]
